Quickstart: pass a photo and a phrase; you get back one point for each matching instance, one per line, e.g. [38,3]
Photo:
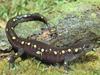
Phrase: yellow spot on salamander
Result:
[25,15]
[76,50]
[55,52]
[14,19]
[13,37]
[63,51]
[42,50]
[34,46]
[69,50]
[22,42]
[38,52]
[16,54]
[28,43]
[50,49]
[65,63]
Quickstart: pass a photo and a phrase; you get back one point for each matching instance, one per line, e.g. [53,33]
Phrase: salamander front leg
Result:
[14,56]
[11,60]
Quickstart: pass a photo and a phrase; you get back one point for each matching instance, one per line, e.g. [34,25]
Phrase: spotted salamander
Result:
[40,50]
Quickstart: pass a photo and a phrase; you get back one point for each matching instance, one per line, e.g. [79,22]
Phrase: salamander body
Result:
[40,50]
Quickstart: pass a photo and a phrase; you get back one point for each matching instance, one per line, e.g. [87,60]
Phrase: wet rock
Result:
[74,27]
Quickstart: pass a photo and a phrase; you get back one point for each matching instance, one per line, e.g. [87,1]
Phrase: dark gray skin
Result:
[40,50]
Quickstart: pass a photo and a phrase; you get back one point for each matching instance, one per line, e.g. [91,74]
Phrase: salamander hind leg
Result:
[22,54]
[67,65]
[67,61]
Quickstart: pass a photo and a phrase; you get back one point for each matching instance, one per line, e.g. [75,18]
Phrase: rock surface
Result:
[74,27]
